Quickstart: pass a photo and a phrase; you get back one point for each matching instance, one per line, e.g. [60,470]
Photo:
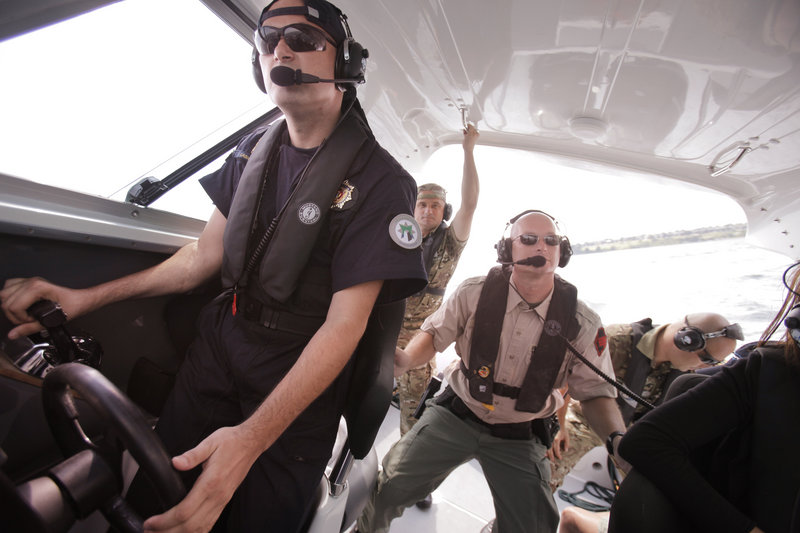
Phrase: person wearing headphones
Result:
[442,245]
[720,456]
[515,331]
[647,359]
[313,225]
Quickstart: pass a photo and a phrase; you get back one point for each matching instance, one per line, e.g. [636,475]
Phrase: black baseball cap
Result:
[322,13]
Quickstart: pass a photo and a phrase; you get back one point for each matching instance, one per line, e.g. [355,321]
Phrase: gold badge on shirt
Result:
[344,197]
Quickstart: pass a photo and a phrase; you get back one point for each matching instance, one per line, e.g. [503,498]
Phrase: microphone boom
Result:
[284,76]
[536,260]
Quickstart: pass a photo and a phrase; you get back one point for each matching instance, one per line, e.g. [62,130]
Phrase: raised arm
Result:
[190,266]
[470,187]
[229,452]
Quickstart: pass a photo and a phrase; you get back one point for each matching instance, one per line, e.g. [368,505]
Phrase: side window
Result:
[135,89]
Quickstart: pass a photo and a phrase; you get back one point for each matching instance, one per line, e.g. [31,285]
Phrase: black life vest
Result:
[639,367]
[430,245]
[547,356]
[283,272]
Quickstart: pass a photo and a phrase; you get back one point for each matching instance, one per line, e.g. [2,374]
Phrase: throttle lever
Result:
[50,315]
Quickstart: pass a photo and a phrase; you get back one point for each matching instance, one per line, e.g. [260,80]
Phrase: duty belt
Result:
[544,428]
[280,320]
[512,431]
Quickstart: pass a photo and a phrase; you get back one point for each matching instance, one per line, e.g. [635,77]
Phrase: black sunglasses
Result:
[299,37]
[529,239]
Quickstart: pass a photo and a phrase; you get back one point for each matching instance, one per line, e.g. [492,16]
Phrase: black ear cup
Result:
[448,211]
[689,339]
[350,60]
[257,74]
[564,252]
[503,248]
[792,320]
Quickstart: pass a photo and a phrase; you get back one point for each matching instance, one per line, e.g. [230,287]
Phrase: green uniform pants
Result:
[517,472]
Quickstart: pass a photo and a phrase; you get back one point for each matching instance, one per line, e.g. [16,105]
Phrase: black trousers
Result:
[231,367]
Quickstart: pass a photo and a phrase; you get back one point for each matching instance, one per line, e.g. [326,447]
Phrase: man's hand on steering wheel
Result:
[226,458]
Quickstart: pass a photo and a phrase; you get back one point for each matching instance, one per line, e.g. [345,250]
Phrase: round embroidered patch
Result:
[308,213]
[405,232]
[552,328]
[484,371]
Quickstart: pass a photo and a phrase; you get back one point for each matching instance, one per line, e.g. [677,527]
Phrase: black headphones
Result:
[691,338]
[448,211]
[350,64]
[792,323]
[503,246]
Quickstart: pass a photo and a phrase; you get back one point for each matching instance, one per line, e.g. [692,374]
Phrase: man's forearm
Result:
[320,363]
[470,188]
[418,351]
[603,416]
[190,266]
[470,185]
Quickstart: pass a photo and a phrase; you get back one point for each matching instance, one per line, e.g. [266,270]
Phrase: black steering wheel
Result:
[126,428]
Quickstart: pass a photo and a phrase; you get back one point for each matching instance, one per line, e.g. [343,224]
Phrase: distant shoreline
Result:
[729,231]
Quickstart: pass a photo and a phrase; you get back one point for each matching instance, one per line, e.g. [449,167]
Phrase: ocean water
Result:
[730,277]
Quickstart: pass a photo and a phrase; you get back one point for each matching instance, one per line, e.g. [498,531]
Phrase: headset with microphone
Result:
[691,338]
[349,67]
[503,246]
[285,76]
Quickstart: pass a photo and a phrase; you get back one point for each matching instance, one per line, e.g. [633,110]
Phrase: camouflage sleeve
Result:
[620,344]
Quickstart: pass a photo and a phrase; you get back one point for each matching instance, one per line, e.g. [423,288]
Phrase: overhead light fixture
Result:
[588,128]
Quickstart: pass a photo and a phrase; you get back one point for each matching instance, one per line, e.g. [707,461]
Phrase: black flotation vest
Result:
[639,367]
[283,271]
[430,245]
[547,356]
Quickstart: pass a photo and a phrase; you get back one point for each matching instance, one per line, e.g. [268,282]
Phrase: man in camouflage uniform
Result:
[666,362]
[442,245]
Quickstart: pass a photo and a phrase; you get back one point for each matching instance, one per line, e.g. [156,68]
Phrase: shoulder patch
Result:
[405,232]
[600,341]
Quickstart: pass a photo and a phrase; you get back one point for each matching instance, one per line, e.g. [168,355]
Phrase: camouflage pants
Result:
[410,387]
[581,440]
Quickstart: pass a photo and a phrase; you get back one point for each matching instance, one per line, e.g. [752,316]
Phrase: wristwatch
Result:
[610,441]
